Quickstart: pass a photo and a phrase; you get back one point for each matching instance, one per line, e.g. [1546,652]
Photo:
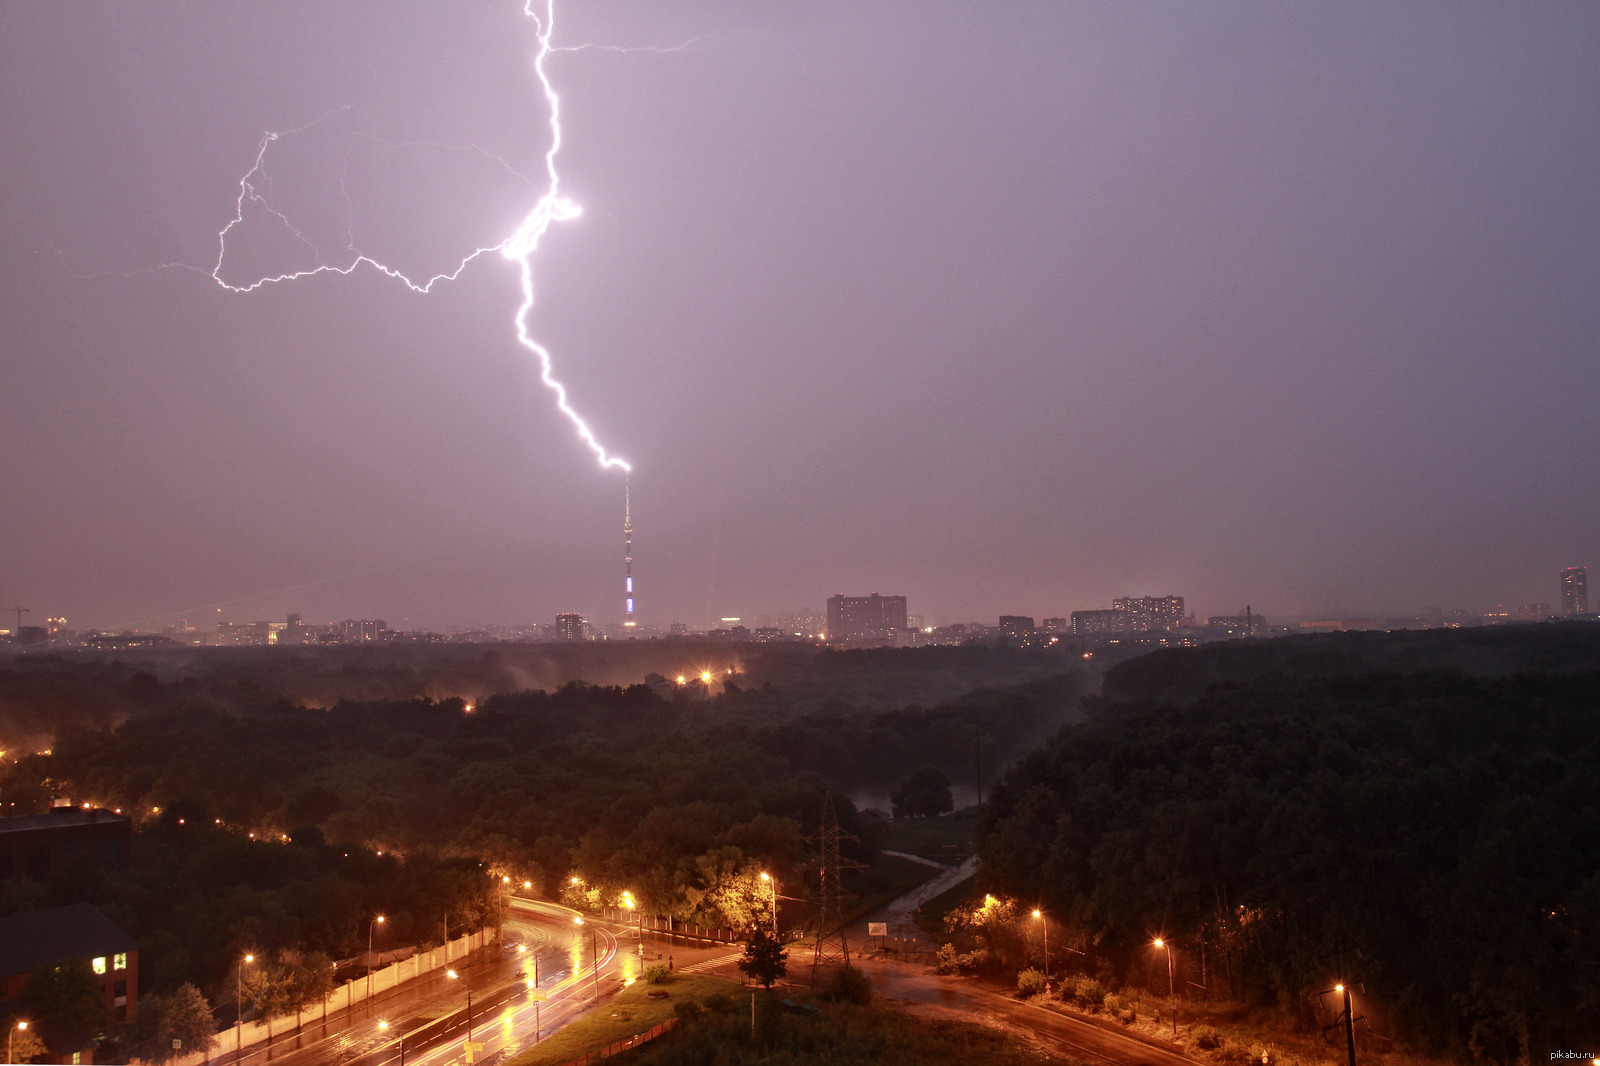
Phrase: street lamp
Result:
[383,1023]
[594,953]
[772,882]
[238,1009]
[13,1032]
[457,977]
[1171,988]
[1040,915]
[633,907]
[370,926]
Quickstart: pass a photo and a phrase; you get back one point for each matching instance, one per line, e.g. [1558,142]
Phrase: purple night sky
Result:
[1005,307]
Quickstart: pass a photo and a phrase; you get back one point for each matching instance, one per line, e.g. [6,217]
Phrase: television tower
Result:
[627,554]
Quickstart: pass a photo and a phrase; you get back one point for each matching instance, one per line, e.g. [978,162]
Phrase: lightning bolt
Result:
[519,247]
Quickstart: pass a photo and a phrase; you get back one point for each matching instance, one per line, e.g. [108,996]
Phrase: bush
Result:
[657,973]
[1030,982]
[1205,1038]
[950,961]
[1085,992]
[687,1011]
[719,1003]
[850,985]
[1233,1053]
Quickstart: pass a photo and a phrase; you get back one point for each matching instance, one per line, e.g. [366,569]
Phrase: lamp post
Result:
[400,1040]
[1349,1022]
[772,882]
[238,1010]
[11,1033]
[594,953]
[1040,915]
[370,926]
[1172,993]
[457,977]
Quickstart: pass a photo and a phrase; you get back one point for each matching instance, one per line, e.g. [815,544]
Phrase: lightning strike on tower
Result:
[518,247]
[627,552]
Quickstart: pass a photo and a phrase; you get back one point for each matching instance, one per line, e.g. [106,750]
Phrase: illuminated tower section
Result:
[627,554]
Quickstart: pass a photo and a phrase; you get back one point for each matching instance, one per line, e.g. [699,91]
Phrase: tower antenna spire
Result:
[628,621]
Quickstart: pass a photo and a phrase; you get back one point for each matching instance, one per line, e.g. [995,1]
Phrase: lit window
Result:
[77,1058]
[119,961]
[100,964]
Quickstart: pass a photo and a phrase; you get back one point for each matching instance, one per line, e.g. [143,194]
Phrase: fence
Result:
[233,1040]
[623,1045]
[651,924]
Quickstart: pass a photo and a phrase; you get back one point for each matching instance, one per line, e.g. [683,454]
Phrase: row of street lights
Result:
[1159,944]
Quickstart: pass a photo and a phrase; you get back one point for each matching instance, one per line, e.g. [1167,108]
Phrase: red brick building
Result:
[64,935]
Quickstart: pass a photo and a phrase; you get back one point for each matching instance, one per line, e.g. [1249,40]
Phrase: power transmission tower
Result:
[832,947]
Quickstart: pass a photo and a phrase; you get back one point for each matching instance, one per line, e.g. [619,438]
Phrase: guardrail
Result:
[620,1046]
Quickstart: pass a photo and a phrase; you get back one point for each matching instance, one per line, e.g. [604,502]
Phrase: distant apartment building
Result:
[858,617]
[1016,625]
[1090,623]
[363,631]
[571,627]
[1575,590]
[1151,612]
[1056,625]
[1533,612]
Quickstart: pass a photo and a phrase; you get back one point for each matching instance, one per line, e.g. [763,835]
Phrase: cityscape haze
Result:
[1020,312]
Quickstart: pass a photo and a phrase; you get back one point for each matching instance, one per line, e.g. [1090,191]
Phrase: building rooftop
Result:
[61,816]
[56,935]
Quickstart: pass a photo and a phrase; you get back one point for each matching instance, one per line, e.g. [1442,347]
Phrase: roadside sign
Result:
[877,928]
[472,1047]
[539,996]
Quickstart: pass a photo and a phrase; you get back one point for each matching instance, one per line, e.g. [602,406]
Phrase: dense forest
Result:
[1431,836]
[278,825]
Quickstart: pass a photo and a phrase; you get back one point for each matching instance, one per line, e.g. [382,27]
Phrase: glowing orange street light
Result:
[773,882]
[370,925]
[1040,915]
[457,977]
[1172,991]
[238,1006]
[20,1025]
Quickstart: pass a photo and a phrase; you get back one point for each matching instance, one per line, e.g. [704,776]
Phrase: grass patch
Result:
[840,1033]
[950,839]
[931,920]
[628,1012]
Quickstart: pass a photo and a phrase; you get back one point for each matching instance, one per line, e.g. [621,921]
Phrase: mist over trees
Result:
[268,826]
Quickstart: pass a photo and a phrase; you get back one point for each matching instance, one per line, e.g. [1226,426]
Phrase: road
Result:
[542,950]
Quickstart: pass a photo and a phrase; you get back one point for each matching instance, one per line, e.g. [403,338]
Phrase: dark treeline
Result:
[1179,675]
[1432,836]
[678,802]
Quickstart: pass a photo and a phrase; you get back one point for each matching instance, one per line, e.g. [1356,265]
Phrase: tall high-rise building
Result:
[570,627]
[854,617]
[1016,625]
[627,554]
[1575,590]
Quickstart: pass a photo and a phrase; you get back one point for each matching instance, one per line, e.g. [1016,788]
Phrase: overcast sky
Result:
[1010,308]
